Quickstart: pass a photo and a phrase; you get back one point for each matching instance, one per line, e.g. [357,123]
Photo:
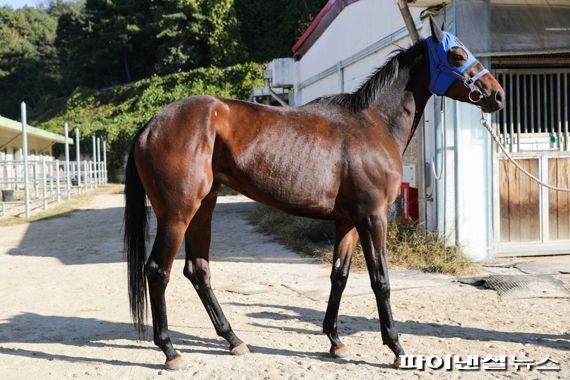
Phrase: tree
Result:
[222,33]
[270,28]
[178,27]
[28,59]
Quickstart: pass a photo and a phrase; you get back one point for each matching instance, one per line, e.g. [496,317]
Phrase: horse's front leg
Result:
[373,231]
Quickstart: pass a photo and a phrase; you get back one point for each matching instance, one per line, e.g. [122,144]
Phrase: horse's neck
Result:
[402,105]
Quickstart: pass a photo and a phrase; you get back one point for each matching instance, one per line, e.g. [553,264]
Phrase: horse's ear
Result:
[436,32]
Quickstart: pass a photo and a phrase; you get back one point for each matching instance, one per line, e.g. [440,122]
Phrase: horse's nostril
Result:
[498,97]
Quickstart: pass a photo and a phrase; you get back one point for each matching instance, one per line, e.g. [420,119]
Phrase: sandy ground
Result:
[64,310]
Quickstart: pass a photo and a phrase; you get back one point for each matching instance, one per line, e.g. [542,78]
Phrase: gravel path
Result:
[64,310]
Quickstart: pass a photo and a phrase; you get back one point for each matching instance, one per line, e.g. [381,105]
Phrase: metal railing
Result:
[536,115]
[34,182]
[49,181]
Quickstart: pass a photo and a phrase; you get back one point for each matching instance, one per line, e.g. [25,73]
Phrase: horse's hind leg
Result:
[197,269]
[346,238]
[169,235]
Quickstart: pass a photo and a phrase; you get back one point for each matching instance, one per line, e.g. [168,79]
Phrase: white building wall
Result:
[356,28]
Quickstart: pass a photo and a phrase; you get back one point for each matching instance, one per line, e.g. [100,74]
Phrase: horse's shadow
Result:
[349,325]
[92,332]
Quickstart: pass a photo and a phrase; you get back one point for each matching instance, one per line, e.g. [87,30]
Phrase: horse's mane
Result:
[373,87]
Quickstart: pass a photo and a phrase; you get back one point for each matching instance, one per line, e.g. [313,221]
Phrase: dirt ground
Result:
[64,310]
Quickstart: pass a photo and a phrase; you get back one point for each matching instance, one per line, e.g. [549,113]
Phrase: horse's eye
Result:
[458,58]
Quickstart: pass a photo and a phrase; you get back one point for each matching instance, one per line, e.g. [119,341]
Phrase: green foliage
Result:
[116,114]
[270,28]
[28,59]
[406,247]
[222,33]
[178,28]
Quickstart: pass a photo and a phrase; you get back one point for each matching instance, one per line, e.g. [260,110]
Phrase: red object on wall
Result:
[410,210]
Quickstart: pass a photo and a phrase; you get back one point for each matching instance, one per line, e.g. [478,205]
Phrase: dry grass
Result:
[407,248]
[65,208]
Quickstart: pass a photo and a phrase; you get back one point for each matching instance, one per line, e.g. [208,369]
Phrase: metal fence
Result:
[36,182]
[537,112]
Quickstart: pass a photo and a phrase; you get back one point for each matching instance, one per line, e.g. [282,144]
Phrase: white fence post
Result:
[94,139]
[25,153]
[67,170]
[78,158]
[105,177]
[98,167]
[44,182]
[57,179]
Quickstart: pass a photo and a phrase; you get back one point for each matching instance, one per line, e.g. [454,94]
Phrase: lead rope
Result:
[496,138]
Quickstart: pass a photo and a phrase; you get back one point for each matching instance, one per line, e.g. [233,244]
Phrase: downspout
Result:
[274,94]
[457,165]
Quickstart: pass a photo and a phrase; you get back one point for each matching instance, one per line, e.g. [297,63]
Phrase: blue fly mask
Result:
[442,73]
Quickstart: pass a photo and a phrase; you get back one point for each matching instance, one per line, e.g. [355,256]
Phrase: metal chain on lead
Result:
[496,138]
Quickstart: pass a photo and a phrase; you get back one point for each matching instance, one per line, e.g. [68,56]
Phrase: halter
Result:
[442,74]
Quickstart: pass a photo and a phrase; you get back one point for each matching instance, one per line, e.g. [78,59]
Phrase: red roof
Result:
[325,17]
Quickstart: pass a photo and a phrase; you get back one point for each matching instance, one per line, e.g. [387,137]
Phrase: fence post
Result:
[67,172]
[85,177]
[98,166]
[91,175]
[35,178]
[50,179]
[57,180]
[105,161]
[78,158]
[44,182]
[94,139]
[25,153]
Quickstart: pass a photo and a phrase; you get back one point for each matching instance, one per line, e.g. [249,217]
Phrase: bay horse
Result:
[338,157]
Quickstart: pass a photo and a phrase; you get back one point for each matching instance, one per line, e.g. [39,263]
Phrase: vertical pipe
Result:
[98,164]
[78,159]
[504,111]
[94,139]
[552,124]
[524,105]
[67,171]
[106,179]
[566,111]
[511,118]
[518,105]
[558,101]
[25,153]
[44,182]
[58,184]
[532,77]
[545,104]
[538,105]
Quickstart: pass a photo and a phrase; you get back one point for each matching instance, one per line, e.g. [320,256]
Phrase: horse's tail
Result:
[136,232]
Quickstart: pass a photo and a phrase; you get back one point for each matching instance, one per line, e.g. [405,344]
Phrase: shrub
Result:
[406,247]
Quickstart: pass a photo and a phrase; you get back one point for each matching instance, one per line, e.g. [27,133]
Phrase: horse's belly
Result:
[302,180]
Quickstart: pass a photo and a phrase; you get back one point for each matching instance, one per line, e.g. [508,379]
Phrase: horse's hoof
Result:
[239,350]
[397,362]
[175,364]
[339,352]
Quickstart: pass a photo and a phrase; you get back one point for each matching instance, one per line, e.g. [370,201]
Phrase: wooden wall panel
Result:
[504,200]
[519,202]
[559,202]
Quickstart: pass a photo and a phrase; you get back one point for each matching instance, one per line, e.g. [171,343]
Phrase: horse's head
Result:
[455,73]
